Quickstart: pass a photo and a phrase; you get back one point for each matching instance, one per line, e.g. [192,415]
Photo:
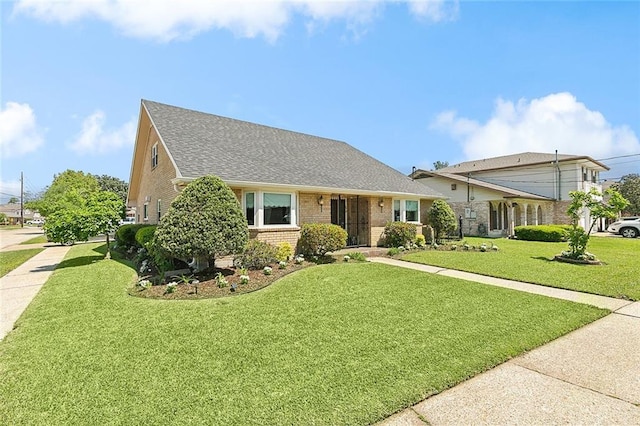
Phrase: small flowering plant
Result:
[244,279]
[221,280]
[346,258]
[267,270]
[298,259]
[282,264]
[171,287]
[145,284]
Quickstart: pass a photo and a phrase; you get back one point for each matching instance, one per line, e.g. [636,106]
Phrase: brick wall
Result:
[155,183]
[310,211]
[275,236]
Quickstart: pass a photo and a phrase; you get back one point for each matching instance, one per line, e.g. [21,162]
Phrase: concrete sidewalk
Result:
[20,286]
[589,376]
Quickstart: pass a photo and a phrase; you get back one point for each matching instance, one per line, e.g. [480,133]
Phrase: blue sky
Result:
[408,82]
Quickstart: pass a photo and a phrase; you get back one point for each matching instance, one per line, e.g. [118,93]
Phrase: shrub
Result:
[317,239]
[267,270]
[549,233]
[442,218]
[126,235]
[220,280]
[282,264]
[284,252]
[205,221]
[356,255]
[393,251]
[398,234]
[145,235]
[256,255]
[420,240]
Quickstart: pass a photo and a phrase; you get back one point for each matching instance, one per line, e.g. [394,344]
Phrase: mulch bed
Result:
[559,258]
[208,287]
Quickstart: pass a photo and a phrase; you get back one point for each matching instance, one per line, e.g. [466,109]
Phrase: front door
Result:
[339,211]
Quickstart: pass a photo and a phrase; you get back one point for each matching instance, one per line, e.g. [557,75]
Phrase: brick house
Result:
[282,179]
[494,195]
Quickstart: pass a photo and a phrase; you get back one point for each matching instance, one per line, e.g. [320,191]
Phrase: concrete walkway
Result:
[589,376]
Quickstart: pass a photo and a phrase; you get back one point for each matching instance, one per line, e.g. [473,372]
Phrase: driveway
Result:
[11,237]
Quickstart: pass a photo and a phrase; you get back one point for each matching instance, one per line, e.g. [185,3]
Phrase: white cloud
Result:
[95,139]
[557,121]
[19,133]
[167,20]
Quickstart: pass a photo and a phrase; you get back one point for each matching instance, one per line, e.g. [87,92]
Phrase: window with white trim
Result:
[145,211]
[154,155]
[406,210]
[270,209]
[250,207]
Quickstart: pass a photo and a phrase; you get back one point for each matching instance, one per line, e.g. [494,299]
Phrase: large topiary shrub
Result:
[204,222]
[549,233]
[397,234]
[442,218]
[317,239]
[256,255]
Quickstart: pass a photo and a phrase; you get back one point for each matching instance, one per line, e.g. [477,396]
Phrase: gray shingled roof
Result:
[235,150]
[514,160]
[508,192]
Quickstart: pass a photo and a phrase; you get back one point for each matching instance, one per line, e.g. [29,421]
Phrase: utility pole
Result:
[21,199]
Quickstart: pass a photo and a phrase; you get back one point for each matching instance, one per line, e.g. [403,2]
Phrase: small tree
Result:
[204,222]
[440,165]
[629,188]
[598,209]
[442,218]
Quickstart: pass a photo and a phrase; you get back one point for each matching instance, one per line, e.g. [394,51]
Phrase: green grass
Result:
[10,260]
[346,343]
[40,239]
[530,261]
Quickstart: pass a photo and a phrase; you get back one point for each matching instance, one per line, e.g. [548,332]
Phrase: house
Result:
[13,214]
[282,179]
[494,195]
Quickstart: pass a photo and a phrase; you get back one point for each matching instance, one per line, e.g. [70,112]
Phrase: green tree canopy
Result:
[204,222]
[65,187]
[14,200]
[77,209]
[629,188]
[113,184]
[440,165]
[441,218]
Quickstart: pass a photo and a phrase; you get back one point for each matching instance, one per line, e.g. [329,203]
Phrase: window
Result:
[154,155]
[454,186]
[250,207]
[159,209]
[277,209]
[411,210]
[406,211]
[145,211]
[584,174]
[594,177]
[396,211]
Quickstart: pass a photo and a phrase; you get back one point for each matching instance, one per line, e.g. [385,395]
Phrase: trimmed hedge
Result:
[548,233]
[256,255]
[145,235]
[317,239]
[126,234]
[398,234]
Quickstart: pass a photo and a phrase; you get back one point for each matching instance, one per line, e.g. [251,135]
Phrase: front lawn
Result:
[40,239]
[10,260]
[347,343]
[530,261]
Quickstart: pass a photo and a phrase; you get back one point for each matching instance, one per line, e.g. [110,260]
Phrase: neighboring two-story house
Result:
[494,195]
[282,179]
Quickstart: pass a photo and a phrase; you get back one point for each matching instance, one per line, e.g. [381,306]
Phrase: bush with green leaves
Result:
[420,241]
[318,239]
[204,222]
[356,255]
[398,234]
[126,235]
[144,235]
[548,233]
[256,255]
[442,218]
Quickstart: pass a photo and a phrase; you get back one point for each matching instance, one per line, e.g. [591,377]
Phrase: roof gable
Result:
[235,150]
